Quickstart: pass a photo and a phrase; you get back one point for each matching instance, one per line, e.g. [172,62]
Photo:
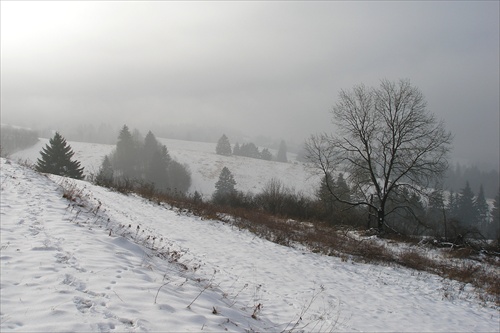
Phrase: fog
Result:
[261,68]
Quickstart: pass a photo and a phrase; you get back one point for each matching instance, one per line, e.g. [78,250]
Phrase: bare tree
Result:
[388,144]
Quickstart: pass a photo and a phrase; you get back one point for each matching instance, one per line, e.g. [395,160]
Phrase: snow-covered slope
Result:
[205,165]
[121,263]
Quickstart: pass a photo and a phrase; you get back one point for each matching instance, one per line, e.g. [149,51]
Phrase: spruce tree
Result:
[467,211]
[435,212]
[325,197]
[495,211]
[236,150]
[223,146]
[125,157]
[56,159]
[281,155]
[249,150]
[266,155]
[105,175]
[224,187]
[481,206]
[453,203]
[495,218]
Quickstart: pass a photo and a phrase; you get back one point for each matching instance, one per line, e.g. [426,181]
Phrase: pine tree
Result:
[236,149]
[452,207]
[56,159]
[125,158]
[156,171]
[156,161]
[325,197]
[150,146]
[266,154]
[281,155]
[179,177]
[436,214]
[105,175]
[495,211]
[249,150]
[467,212]
[494,231]
[223,146]
[481,206]
[224,187]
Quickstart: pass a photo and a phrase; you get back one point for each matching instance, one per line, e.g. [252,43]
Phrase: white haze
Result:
[261,68]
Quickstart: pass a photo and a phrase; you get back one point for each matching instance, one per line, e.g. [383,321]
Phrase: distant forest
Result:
[14,138]
[106,133]
[458,175]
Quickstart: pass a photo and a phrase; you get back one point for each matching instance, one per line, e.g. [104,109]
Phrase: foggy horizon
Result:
[271,69]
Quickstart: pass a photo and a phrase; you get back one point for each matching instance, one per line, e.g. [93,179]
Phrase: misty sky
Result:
[263,68]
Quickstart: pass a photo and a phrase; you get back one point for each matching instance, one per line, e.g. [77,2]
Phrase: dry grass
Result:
[333,240]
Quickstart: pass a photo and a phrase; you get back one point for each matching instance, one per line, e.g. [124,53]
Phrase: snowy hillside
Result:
[113,263]
[205,165]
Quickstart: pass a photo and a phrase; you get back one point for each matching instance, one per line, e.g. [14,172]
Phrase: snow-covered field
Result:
[205,165]
[120,263]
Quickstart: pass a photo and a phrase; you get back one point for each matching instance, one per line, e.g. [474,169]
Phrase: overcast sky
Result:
[264,68]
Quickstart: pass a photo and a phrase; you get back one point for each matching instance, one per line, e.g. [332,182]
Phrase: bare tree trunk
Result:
[380,219]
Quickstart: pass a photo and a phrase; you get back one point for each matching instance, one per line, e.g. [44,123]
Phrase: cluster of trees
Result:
[276,198]
[392,150]
[250,150]
[412,214]
[13,139]
[470,213]
[143,161]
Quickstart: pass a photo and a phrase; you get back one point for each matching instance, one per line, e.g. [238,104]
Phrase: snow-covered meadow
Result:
[112,263]
[204,164]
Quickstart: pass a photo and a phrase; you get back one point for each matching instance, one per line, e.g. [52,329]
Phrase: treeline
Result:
[138,162]
[143,164]
[13,139]
[457,176]
[451,217]
[250,150]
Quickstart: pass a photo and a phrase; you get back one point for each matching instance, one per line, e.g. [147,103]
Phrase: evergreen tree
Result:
[324,195]
[342,189]
[125,158]
[266,154]
[224,187]
[249,150]
[105,175]
[495,218]
[452,207]
[467,212]
[281,155]
[495,211]
[223,146]
[236,150]
[179,177]
[150,146]
[156,171]
[156,161]
[333,208]
[481,206]
[435,212]
[56,159]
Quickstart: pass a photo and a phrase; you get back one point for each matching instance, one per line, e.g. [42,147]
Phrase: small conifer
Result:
[56,159]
